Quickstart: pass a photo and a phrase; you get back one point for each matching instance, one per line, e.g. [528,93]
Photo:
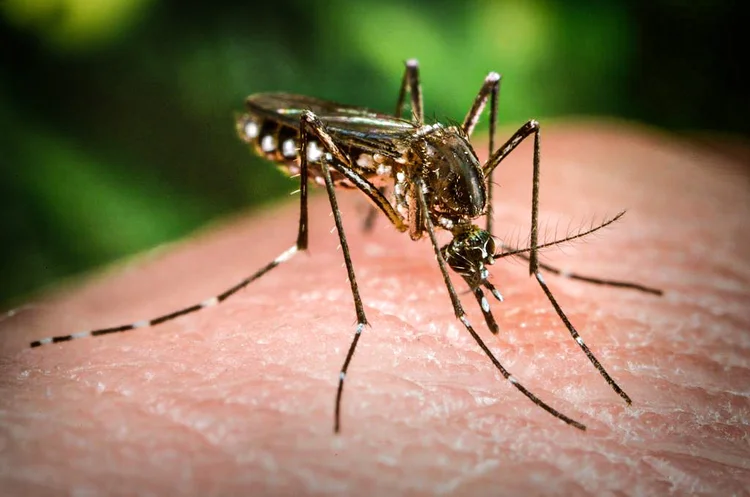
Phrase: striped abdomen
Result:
[279,142]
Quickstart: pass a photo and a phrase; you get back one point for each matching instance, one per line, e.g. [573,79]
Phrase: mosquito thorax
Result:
[454,175]
[470,251]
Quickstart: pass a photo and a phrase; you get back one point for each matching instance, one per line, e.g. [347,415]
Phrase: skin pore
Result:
[239,398]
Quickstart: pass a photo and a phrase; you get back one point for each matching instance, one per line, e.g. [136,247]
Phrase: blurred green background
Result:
[117,115]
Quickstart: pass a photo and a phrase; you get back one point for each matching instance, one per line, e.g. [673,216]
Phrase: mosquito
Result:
[422,177]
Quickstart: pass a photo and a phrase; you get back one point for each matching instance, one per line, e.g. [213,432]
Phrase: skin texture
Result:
[238,399]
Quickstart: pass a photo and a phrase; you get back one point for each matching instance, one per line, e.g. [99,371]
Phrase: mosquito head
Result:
[470,251]
[454,175]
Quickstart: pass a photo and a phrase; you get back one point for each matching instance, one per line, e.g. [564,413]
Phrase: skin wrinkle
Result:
[238,398]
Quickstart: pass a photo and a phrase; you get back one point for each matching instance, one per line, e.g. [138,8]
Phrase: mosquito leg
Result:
[579,340]
[528,129]
[372,213]
[508,251]
[490,88]
[461,315]
[310,125]
[588,279]
[493,290]
[486,311]
[342,163]
[300,244]
[410,83]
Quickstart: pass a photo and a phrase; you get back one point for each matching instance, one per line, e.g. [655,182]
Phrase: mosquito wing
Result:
[357,126]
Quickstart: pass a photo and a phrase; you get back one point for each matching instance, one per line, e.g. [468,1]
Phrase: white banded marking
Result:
[497,294]
[485,304]
[80,334]
[383,170]
[492,77]
[268,143]
[251,129]
[141,324]
[45,341]
[580,341]
[210,302]
[445,222]
[365,161]
[289,149]
[286,255]
[314,151]
[427,129]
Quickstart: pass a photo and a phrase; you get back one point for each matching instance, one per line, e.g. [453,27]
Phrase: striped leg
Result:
[300,245]
[528,129]
[588,279]
[311,125]
[461,315]
[410,83]
[490,89]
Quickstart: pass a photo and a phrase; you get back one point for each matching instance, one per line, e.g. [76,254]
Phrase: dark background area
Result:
[117,116]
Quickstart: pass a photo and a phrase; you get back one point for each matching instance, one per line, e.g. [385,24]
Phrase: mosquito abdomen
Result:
[278,142]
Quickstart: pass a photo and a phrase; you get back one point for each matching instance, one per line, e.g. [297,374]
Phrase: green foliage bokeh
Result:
[117,116]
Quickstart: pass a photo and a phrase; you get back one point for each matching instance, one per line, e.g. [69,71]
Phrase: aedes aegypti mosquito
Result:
[435,181]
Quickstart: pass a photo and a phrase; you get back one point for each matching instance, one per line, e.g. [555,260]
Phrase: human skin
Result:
[238,399]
